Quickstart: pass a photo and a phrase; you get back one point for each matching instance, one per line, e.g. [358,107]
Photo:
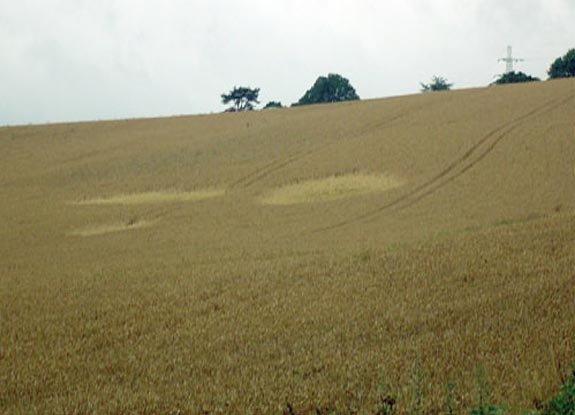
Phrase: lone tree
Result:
[333,88]
[563,67]
[513,78]
[438,83]
[243,99]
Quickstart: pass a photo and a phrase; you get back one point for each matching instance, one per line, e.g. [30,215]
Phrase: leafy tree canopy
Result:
[438,83]
[333,88]
[563,67]
[243,99]
[514,77]
[273,104]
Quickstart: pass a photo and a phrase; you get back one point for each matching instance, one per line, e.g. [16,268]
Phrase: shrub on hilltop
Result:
[333,88]
[273,104]
[437,83]
[563,67]
[514,77]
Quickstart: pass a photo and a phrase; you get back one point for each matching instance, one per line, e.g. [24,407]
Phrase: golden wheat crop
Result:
[402,245]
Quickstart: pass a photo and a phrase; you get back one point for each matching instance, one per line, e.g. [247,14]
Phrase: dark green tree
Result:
[563,67]
[333,88]
[437,83]
[273,104]
[513,78]
[243,99]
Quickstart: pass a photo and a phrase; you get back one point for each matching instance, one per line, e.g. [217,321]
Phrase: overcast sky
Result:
[70,60]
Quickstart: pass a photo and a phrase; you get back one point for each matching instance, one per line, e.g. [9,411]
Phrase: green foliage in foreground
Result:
[564,403]
[489,410]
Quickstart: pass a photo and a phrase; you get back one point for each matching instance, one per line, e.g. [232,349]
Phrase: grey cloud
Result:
[74,60]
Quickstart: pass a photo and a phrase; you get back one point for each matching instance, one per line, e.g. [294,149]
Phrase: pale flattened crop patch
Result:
[331,188]
[93,230]
[154,197]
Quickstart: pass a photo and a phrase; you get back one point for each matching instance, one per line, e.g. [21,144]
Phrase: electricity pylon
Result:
[509,60]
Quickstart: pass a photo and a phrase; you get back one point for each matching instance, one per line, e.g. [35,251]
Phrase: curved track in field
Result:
[278,164]
[473,156]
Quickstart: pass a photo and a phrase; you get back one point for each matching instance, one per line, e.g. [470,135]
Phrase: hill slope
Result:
[234,262]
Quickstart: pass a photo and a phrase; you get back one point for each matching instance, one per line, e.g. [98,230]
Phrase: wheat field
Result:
[309,260]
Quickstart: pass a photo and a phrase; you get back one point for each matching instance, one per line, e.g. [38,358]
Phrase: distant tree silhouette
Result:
[243,99]
[333,88]
[514,77]
[273,104]
[437,83]
[563,67]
